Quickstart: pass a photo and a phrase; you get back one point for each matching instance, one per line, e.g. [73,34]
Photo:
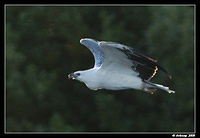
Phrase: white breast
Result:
[113,80]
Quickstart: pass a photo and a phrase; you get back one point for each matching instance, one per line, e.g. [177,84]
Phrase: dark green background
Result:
[42,48]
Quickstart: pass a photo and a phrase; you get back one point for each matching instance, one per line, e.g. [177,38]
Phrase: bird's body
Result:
[111,81]
[119,67]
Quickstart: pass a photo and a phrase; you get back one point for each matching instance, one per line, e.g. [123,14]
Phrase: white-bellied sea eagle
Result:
[119,67]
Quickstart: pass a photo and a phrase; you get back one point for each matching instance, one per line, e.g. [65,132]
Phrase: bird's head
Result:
[74,75]
[78,75]
[85,77]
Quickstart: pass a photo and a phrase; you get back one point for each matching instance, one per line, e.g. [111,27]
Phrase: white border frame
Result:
[99,5]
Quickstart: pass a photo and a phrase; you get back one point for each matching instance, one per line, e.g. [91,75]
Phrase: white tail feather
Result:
[164,88]
[151,87]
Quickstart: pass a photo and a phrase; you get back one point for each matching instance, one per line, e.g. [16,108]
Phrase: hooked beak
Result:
[71,76]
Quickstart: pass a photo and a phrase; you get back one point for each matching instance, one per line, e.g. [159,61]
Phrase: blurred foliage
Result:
[42,48]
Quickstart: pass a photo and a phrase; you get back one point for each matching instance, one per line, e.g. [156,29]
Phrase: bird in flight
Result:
[119,67]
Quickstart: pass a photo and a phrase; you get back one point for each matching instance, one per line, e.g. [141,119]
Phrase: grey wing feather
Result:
[142,63]
[93,46]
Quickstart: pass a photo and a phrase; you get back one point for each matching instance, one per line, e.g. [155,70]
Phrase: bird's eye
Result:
[78,74]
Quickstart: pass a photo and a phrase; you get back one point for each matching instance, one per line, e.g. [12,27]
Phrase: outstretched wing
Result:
[114,55]
[139,62]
